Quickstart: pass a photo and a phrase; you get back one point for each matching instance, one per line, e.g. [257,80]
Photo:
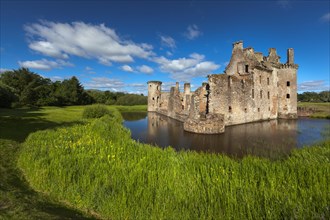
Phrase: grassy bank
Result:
[17,199]
[318,110]
[97,166]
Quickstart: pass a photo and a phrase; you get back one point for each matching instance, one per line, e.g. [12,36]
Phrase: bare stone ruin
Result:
[252,88]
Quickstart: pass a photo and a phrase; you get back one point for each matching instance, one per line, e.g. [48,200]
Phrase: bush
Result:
[96,111]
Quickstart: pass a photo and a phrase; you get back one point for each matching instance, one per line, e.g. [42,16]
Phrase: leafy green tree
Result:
[7,96]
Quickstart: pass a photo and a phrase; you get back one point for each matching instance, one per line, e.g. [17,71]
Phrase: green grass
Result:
[96,166]
[322,110]
[17,199]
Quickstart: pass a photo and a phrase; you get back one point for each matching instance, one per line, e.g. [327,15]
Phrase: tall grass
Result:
[98,167]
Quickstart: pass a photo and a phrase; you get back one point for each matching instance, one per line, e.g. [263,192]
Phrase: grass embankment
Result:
[316,110]
[17,199]
[97,166]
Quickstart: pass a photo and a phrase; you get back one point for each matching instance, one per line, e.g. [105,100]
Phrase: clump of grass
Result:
[96,111]
[97,166]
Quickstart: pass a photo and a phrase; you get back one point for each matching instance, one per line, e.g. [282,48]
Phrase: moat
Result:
[268,138]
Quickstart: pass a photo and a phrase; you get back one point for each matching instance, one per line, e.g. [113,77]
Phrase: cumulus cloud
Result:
[315,85]
[326,17]
[127,68]
[44,64]
[145,69]
[168,41]
[192,32]
[61,40]
[185,69]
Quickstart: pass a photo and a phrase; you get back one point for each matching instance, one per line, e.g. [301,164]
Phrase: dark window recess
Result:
[242,82]
[157,87]
[245,110]
[258,109]
[150,85]
[229,109]
[267,81]
[287,96]
[288,83]
[153,98]
[268,95]
[253,93]
[268,108]
[229,81]
[246,68]
[261,94]
[260,79]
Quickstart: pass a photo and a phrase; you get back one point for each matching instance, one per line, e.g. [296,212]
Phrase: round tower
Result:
[154,92]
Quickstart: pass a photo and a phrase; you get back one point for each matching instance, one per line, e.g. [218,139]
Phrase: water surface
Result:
[268,138]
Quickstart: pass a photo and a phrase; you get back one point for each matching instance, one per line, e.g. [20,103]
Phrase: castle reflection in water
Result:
[267,138]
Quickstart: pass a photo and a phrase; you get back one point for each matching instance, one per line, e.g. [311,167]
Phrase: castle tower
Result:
[290,56]
[287,88]
[154,92]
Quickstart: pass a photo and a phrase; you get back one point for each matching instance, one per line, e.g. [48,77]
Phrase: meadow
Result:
[94,166]
[321,110]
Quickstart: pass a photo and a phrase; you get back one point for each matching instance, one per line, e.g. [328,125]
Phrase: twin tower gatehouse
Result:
[252,88]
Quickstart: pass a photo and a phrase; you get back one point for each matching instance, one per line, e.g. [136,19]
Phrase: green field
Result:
[97,168]
[321,110]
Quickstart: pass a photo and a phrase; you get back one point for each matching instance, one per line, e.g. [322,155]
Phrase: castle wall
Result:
[253,88]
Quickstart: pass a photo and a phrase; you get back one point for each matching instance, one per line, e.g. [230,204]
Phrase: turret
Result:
[290,56]
[154,92]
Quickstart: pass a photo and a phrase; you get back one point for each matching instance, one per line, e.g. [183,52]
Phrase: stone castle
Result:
[252,88]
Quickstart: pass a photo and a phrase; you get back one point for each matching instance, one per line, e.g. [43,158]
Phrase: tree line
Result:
[323,96]
[22,87]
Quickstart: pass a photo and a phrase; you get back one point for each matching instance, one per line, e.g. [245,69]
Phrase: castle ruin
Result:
[252,88]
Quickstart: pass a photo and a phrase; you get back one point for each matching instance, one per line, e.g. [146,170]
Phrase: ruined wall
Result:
[253,88]
[154,94]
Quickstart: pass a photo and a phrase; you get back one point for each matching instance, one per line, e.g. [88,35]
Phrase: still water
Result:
[269,138]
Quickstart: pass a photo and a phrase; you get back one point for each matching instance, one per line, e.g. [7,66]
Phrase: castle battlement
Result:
[252,88]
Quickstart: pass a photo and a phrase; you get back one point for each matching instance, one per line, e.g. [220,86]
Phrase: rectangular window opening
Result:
[229,81]
[258,109]
[229,109]
[287,96]
[253,93]
[260,79]
[261,94]
[288,83]
[268,95]
[267,81]
[246,68]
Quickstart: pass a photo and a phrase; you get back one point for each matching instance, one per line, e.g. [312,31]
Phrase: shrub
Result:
[96,111]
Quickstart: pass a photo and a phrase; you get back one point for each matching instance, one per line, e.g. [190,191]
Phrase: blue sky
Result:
[120,45]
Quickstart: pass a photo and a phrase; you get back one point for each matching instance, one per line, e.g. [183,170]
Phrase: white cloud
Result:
[168,41]
[192,32]
[145,69]
[105,83]
[127,68]
[326,17]
[44,64]
[168,53]
[56,78]
[89,70]
[99,42]
[185,69]
[315,85]
[2,70]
